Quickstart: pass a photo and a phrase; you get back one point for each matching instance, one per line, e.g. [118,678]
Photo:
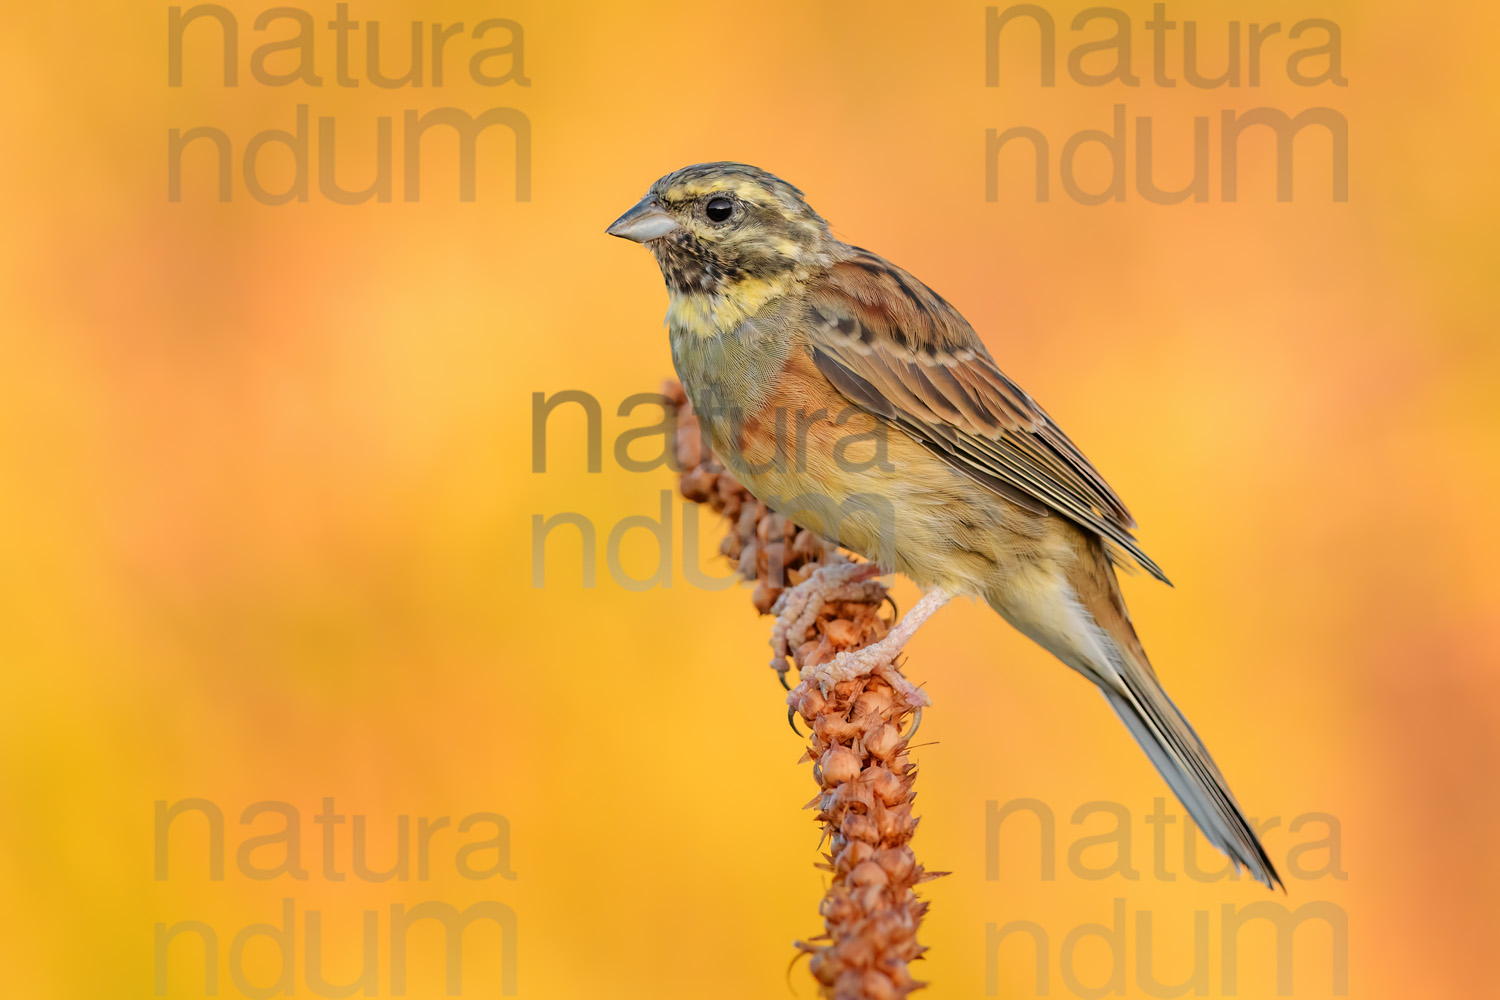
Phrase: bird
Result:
[852,398]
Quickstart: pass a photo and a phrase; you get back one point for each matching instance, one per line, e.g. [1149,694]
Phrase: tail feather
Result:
[1080,617]
[1132,688]
[1164,733]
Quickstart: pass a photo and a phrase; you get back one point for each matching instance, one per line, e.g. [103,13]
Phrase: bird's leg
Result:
[796,609]
[881,656]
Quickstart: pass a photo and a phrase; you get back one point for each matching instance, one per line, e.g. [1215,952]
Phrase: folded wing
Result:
[896,349]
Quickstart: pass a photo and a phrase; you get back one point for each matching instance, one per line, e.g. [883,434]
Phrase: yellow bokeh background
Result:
[266,529]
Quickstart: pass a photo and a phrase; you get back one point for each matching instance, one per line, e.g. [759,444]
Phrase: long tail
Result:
[1183,760]
[1084,623]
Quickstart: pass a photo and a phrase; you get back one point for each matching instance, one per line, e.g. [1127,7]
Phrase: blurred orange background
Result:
[267,529]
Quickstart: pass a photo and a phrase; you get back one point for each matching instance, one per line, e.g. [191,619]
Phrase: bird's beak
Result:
[646,221]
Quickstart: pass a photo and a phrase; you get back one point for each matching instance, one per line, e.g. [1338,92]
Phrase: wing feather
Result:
[895,348]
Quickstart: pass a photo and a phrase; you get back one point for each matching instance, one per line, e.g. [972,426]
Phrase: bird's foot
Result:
[797,608]
[880,657]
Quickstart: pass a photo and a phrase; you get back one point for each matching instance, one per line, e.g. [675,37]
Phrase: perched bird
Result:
[852,398]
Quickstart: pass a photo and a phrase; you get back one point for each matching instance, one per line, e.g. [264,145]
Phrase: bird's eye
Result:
[719,209]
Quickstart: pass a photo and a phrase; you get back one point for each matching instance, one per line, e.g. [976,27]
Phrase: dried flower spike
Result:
[860,729]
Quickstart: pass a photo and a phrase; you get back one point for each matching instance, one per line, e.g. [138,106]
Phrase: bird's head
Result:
[716,228]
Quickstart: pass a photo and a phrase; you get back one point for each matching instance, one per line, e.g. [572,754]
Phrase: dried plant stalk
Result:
[871,912]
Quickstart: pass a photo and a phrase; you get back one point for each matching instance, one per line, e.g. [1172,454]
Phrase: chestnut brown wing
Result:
[895,348]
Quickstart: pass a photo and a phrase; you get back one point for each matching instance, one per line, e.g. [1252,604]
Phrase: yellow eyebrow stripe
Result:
[741,187]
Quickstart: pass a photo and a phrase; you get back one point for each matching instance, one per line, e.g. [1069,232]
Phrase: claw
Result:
[781,676]
[916,723]
[791,720]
